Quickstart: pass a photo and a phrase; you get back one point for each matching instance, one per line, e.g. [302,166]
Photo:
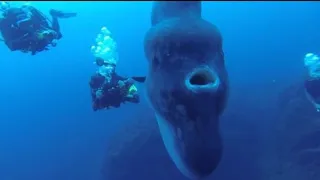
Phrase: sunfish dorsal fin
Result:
[163,10]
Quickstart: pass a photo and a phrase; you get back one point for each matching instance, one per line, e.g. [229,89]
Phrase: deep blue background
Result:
[47,128]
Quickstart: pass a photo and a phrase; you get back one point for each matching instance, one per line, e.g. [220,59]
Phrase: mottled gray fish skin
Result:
[187,85]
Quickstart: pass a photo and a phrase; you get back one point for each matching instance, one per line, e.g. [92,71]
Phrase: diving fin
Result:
[60,14]
[140,79]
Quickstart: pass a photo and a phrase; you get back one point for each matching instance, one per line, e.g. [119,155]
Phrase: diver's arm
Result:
[120,78]
[140,79]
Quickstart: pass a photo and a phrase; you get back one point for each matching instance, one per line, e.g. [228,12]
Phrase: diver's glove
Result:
[134,98]
[124,86]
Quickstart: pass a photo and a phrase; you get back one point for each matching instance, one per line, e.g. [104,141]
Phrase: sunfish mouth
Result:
[202,79]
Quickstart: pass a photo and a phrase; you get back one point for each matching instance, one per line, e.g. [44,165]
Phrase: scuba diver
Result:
[108,89]
[312,82]
[28,30]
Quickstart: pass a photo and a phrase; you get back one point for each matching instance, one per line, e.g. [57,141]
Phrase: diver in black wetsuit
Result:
[110,89]
[312,82]
[27,29]
[313,88]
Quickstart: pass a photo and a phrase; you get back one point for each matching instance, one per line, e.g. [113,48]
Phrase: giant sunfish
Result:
[186,85]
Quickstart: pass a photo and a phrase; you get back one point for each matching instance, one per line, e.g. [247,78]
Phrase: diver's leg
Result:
[56,26]
[55,23]
[61,14]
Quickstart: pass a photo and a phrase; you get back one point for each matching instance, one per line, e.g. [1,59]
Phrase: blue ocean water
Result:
[49,131]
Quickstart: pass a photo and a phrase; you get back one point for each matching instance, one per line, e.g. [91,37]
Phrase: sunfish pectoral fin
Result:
[163,10]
